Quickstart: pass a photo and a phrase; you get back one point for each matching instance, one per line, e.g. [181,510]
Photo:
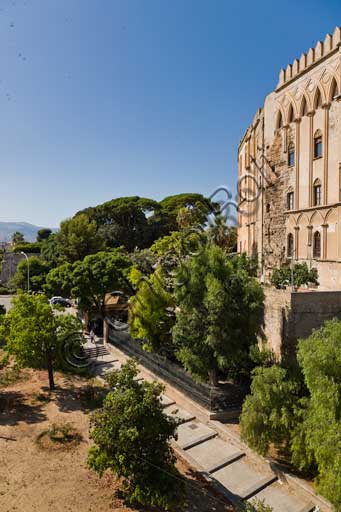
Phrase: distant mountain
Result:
[28,230]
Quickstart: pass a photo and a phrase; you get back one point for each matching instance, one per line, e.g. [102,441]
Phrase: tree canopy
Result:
[38,272]
[218,315]
[43,234]
[77,238]
[18,238]
[136,222]
[33,333]
[90,279]
[131,435]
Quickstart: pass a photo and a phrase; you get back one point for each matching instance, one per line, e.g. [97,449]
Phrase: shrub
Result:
[131,437]
[33,248]
[268,412]
[281,277]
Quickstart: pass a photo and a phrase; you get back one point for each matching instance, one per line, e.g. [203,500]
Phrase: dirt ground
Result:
[36,479]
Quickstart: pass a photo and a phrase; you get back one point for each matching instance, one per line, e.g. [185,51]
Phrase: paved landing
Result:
[242,479]
[178,413]
[281,501]
[214,454]
[191,434]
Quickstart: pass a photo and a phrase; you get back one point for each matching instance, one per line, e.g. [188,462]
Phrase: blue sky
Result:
[108,98]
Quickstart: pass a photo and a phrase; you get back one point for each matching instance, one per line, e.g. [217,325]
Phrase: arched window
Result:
[317,192]
[291,116]
[318,99]
[279,123]
[304,107]
[290,200]
[290,246]
[291,155]
[335,90]
[317,245]
[318,144]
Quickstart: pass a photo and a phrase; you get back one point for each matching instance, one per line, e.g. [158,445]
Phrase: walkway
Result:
[226,463]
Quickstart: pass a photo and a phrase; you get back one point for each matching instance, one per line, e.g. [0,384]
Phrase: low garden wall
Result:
[223,400]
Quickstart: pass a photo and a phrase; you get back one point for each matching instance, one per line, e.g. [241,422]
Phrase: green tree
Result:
[320,359]
[125,221]
[219,307]
[50,251]
[302,417]
[34,334]
[221,234]
[59,281]
[172,209]
[18,238]
[132,436]
[43,234]
[152,313]
[268,415]
[91,279]
[38,272]
[144,260]
[78,238]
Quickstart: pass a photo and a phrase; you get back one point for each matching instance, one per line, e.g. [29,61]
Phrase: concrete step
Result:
[191,434]
[178,413]
[214,454]
[281,500]
[166,401]
[242,479]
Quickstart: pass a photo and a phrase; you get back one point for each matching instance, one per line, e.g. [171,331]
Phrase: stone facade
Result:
[289,316]
[289,163]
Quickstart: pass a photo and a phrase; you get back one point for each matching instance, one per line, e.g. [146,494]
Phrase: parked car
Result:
[60,301]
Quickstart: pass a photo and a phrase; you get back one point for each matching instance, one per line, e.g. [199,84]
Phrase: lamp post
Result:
[28,270]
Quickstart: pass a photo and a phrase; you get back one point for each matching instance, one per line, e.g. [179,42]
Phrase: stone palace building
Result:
[289,166]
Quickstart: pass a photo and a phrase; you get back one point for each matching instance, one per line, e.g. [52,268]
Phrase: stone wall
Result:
[9,266]
[289,316]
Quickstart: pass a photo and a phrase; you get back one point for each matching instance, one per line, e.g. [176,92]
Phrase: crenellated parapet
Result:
[311,58]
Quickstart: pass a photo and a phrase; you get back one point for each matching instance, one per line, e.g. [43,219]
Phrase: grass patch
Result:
[59,436]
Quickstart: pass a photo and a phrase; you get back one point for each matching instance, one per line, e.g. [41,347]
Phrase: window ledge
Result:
[317,157]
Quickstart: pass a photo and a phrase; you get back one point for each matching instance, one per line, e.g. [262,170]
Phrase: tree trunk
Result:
[50,369]
[213,376]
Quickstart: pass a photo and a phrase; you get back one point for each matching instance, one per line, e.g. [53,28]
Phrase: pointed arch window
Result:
[318,99]
[335,90]
[290,245]
[318,144]
[317,245]
[304,107]
[291,115]
[279,123]
[291,155]
[317,192]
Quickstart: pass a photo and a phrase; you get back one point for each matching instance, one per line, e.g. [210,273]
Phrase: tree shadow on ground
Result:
[202,496]
[14,409]
[86,398]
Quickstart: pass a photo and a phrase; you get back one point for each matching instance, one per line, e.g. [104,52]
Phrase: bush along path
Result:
[226,464]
